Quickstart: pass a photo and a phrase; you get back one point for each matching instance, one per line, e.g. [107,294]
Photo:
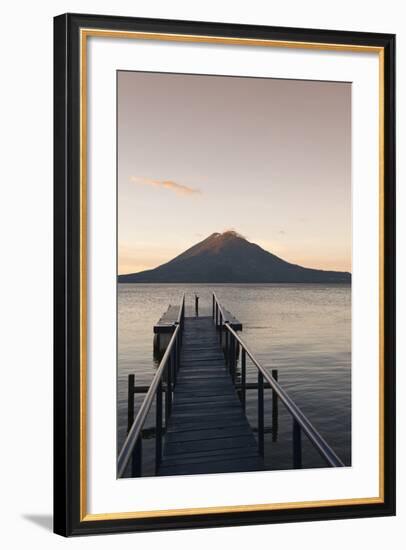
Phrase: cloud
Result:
[233,231]
[177,188]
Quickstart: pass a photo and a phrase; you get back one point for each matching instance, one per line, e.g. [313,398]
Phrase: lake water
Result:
[302,330]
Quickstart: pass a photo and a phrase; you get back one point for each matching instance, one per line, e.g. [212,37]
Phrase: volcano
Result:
[230,258]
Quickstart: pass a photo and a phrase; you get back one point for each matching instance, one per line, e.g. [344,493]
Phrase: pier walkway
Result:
[207,430]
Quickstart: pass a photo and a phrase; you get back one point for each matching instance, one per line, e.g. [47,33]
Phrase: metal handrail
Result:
[136,428]
[314,436]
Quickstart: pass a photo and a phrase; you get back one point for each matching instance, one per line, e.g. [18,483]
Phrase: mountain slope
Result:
[229,258]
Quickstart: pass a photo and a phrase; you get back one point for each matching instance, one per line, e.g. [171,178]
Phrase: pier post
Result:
[178,345]
[232,358]
[243,377]
[227,349]
[130,401]
[261,440]
[158,428]
[275,422]
[168,396]
[297,445]
[136,460]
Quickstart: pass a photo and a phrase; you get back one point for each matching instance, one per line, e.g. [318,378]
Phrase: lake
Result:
[302,330]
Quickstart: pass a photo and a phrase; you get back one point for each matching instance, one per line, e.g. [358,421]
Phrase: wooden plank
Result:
[205,399]
[207,433]
[186,447]
[215,408]
[213,456]
[249,464]
[196,425]
[204,393]
[186,418]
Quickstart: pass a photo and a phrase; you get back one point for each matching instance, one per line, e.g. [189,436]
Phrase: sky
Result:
[268,158]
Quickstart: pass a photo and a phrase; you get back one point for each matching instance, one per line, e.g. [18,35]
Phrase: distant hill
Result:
[230,258]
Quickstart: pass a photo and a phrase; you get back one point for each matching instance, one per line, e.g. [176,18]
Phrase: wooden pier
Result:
[207,430]
[199,393]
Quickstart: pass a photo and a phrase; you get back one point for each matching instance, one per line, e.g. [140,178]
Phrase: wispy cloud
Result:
[234,231]
[177,188]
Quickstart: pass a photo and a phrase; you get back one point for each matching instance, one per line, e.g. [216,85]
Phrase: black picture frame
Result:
[68,519]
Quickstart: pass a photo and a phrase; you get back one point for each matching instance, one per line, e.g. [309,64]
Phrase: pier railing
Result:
[234,346]
[162,383]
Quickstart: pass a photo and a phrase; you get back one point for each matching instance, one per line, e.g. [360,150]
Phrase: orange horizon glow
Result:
[137,260]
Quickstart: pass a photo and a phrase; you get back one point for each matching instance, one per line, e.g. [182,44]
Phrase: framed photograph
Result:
[224,274]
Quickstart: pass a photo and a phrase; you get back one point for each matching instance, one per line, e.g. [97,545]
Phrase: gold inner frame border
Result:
[173,37]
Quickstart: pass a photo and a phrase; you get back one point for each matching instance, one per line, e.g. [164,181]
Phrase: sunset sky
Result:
[203,154]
